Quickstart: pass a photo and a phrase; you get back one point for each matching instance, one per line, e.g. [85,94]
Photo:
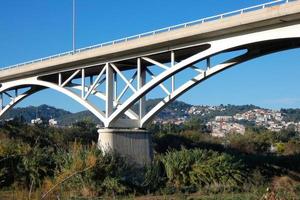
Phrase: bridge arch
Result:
[213,71]
[257,43]
[35,86]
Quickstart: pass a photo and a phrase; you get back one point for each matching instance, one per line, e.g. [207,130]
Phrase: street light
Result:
[74,23]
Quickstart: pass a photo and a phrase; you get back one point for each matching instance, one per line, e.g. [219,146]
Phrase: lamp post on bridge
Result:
[74,26]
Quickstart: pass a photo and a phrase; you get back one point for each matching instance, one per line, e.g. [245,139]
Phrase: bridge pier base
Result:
[134,144]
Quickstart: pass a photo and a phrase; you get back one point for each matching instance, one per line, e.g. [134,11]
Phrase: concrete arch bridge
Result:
[120,74]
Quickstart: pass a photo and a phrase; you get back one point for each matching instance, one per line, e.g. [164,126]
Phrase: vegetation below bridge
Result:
[38,161]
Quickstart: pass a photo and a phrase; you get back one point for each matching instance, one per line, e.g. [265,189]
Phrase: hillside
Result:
[76,117]
[175,110]
[32,112]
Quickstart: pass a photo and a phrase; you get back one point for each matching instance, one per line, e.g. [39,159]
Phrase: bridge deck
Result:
[175,39]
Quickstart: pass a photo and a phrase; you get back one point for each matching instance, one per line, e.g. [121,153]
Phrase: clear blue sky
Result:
[33,28]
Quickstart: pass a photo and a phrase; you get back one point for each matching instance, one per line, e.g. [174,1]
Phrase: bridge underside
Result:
[116,92]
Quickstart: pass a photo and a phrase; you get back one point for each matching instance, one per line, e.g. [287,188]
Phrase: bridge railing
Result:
[158,31]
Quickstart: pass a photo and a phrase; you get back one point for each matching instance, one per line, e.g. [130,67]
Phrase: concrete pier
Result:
[134,144]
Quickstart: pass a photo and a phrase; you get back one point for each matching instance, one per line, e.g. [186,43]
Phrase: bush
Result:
[61,162]
[191,169]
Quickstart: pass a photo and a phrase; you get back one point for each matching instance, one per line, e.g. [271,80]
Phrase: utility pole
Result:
[74,24]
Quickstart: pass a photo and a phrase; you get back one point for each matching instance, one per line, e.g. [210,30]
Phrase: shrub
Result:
[188,169]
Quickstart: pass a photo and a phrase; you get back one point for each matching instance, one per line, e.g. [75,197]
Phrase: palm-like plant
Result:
[200,168]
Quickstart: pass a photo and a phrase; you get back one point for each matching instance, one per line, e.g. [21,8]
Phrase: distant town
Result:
[220,120]
[270,119]
[222,125]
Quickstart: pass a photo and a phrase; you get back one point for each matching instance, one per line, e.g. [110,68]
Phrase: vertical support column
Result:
[91,80]
[172,65]
[59,79]
[1,101]
[141,80]
[82,83]
[109,90]
[134,144]
[115,87]
[208,63]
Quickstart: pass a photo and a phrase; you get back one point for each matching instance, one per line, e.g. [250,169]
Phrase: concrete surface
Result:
[134,144]
[176,39]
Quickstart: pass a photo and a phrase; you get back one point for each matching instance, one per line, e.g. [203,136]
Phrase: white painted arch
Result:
[244,41]
[33,81]
[217,46]
[204,76]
